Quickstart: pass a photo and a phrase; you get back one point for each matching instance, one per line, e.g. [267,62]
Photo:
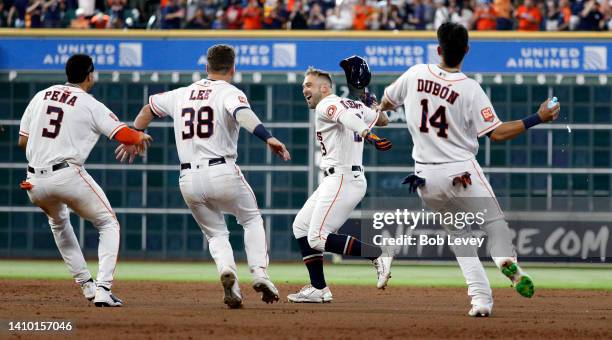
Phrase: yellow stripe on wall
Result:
[321,35]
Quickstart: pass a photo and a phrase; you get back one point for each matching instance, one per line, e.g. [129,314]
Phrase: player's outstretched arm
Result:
[509,130]
[247,119]
[127,152]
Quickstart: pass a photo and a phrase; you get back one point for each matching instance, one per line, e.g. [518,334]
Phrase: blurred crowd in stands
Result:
[522,15]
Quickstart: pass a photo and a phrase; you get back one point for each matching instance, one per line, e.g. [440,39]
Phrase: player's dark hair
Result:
[220,58]
[78,67]
[319,74]
[453,40]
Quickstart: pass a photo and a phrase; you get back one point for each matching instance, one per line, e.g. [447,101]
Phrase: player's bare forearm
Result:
[144,118]
[386,104]
[22,142]
[383,119]
[507,131]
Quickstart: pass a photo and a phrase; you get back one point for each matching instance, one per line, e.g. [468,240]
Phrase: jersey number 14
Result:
[438,120]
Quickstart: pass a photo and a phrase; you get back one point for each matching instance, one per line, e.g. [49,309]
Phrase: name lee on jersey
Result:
[430,86]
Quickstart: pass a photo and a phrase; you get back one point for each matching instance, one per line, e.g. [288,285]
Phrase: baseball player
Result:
[58,129]
[446,113]
[207,117]
[341,126]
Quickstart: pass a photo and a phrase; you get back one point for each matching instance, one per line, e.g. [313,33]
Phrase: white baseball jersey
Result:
[446,113]
[340,146]
[63,123]
[205,125]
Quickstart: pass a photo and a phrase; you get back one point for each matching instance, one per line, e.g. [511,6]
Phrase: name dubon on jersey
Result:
[204,112]
[63,123]
[446,113]
[340,147]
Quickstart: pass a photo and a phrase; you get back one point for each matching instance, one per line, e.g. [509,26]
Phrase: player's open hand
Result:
[279,148]
[125,153]
[381,144]
[548,114]
[145,142]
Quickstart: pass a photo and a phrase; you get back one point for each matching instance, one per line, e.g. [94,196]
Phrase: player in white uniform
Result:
[58,129]
[341,127]
[207,117]
[446,113]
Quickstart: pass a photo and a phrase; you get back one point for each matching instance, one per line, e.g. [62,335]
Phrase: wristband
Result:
[262,133]
[532,121]
[137,129]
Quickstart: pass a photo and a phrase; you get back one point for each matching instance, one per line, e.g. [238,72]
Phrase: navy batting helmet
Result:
[357,71]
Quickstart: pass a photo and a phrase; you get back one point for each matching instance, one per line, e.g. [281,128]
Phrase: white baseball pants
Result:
[211,190]
[328,208]
[72,187]
[440,194]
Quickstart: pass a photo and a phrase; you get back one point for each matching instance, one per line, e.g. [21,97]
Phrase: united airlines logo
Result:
[595,58]
[284,55]
[130,54]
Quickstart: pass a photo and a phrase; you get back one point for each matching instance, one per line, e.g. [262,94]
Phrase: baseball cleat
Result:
[383,269]
[521,282]
[310,294]
[105,298]
[479,311]
[269,293]
[231,290]
[89,289]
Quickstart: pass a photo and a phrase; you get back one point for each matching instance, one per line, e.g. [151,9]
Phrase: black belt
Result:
[54,167]
[331,171]
[432,163]
[211,162]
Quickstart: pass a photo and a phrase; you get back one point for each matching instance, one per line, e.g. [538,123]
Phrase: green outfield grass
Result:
[354,274]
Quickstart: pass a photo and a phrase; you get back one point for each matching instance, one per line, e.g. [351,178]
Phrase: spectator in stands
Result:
[80,21]
[52,13]
[417,15]
[298,16]
[233,15]
[460,15]
[392,18]
[34,14]
[529,16]
[274,19]
[172,15]
[198,21]
[219,22]
[100,21]
[116,9]
[2,16]
[565,15]
[552,16]
[316,20]
[591,18]
[485,18]
[503,10]
[17,14]
[252,16]
[339,18]
[361,15]
[88,6]
[374,22]
[441,15]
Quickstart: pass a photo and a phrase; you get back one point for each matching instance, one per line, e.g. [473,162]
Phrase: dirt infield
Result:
[195,310]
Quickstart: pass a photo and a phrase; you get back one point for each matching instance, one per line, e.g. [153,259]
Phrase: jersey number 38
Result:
[200,124]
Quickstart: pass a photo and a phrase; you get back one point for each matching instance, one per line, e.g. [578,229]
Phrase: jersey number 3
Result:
[203,127]
[438,120]
[55,123]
